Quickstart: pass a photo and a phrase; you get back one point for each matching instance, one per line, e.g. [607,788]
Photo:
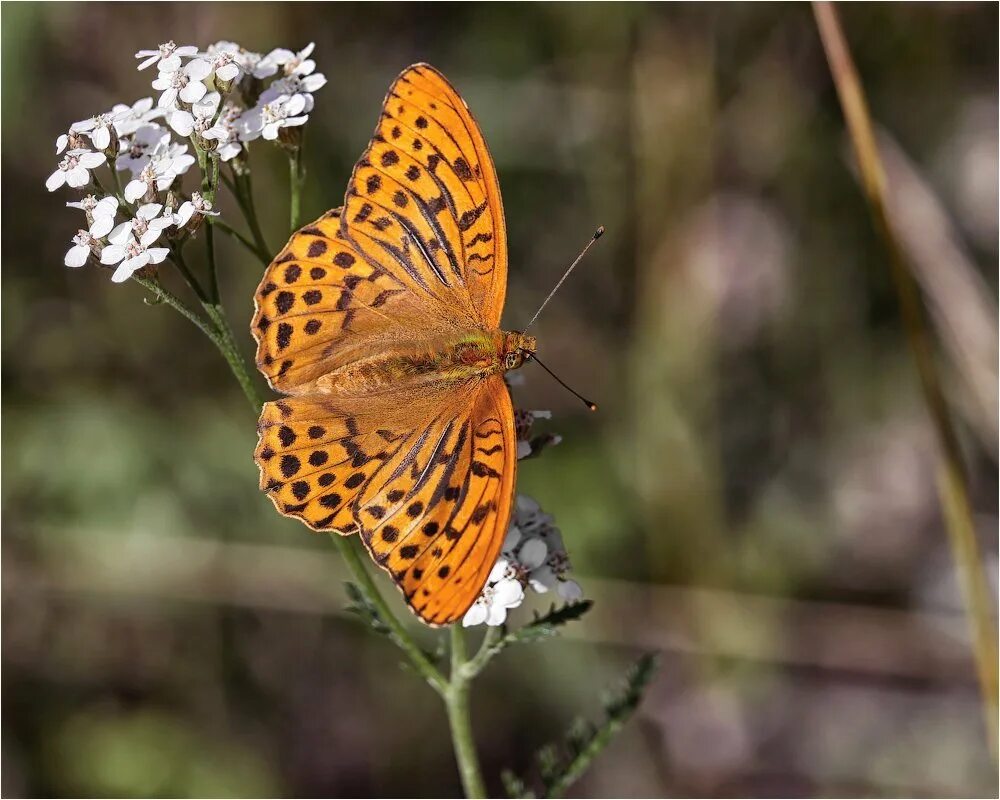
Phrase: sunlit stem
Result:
[296,178]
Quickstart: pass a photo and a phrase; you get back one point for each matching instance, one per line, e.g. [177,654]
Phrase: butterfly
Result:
[379,322]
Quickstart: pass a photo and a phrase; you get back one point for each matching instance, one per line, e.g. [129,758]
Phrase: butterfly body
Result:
[380,323]
[449,359]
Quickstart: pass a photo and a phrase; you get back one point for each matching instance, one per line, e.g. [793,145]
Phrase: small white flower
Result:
[293,85]
[294,63]
[130,256]
[167,57]
[166,162]
[147,226]
[137,150]
[78,254]
[129,119]
[197,206]
[184,84]
[225,66]
[502,593]
[99,128]
[268,119]
[74,169]
[101,213]
[199,118]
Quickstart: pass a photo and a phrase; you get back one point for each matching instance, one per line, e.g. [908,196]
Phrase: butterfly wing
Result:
[425,196]
[427,478]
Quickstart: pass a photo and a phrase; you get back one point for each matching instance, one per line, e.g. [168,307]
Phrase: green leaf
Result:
[560,765]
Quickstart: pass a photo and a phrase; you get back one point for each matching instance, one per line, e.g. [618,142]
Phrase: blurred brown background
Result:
[756,498]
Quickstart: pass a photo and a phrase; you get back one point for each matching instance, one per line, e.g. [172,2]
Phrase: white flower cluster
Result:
[217,100]
[534,556]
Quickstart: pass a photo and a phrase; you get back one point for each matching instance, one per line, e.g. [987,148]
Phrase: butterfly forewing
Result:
[423,470]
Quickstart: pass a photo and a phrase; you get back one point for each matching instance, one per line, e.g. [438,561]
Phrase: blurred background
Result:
[756,499]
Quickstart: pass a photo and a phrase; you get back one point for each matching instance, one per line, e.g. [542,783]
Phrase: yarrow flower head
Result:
[185,85]
[193,210]
[131,255]
[533,556]
[100,213]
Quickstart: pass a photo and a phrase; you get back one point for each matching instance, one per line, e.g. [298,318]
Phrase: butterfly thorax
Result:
[447,359]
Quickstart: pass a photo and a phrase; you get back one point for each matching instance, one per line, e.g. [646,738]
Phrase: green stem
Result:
[232,355]
[296,177]
[178,259]
[213,278]
[487,649]
[400,635]
[172,300]
[242,189]
[243,240]
[954,484]
[456,700]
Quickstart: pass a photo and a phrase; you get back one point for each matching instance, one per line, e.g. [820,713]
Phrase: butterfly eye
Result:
[511,361]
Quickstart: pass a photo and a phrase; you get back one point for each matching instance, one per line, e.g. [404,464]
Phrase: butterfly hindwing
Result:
[429,490]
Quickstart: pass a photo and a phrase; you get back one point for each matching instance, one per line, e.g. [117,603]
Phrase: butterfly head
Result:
[517,347]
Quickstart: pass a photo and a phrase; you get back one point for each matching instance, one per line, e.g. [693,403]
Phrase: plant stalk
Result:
[400,635]
[456,700]
[954,482]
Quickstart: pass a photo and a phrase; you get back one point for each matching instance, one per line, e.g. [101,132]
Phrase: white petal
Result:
[532,553]
[306,67]
[163,81]
[55,180]
[77,256]
[157,254]
[183,214]
[150,236]
[186,50]
[293,122]
[313,82]
[270,131]
[92,160]
[107,206]
[499,571]
[508,593]
[306,51]
[527,505]
[294,105]
[523,450]
[496,615]
[102,226]
[207,106]
[182,122]
[198,69]
[61,141]
[112,254]
[154,56]
[169,98]
[570,590]
[193,92]
[101,137]
[125,270]
[542,579]
[77,177]
[135,190]
[171,63]
[140,107]
[280,55]
[181,164]
[511,540]
[120,234]
[476,615]
[227,72]
[148,210]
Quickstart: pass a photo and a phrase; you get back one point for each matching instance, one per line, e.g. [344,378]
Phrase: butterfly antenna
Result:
[586,402]
[597,235]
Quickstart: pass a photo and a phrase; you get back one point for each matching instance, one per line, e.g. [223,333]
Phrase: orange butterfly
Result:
[380,321]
